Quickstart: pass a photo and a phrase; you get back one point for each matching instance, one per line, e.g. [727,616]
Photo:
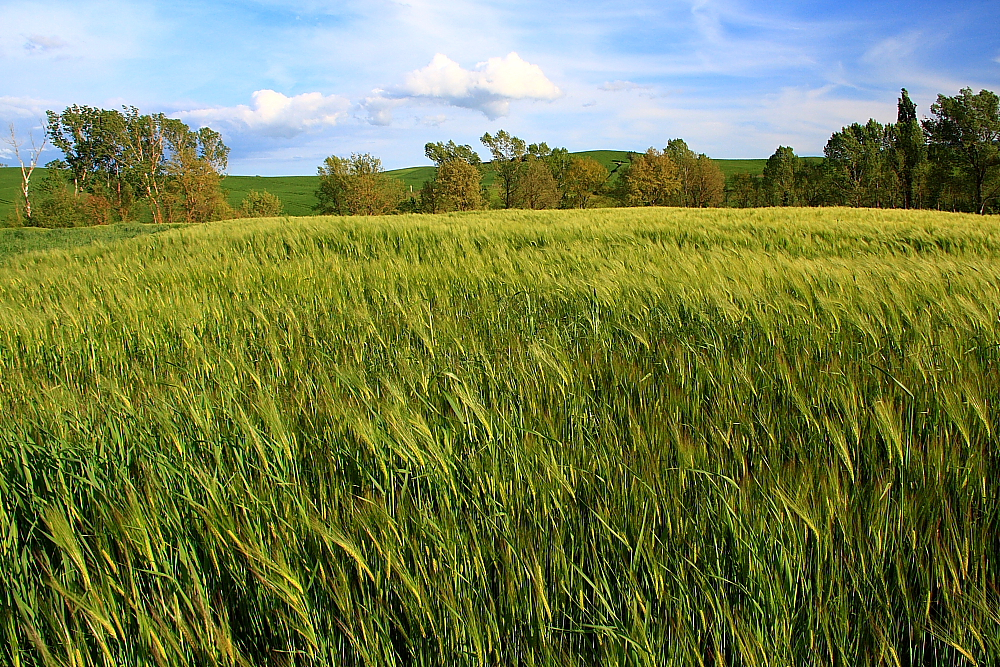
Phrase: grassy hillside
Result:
[10,183]
[298,192]
[629,437]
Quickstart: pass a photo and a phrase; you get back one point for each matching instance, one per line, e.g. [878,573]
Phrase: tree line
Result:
[121,166]
[523,175]
[948,161]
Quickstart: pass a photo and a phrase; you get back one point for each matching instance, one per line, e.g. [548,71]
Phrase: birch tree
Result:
[27,169]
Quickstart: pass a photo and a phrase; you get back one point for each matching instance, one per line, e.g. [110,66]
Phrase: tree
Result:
[965,132]
[26,169]
[706,184]
[195,170]
[93,142]
[59,206]
[536,188]
[440,152]
[194,189]
[778,182]
[122,158]
[582,180]
[909,146]
[650,180]
[357,186]
[860,163]
[812,184]
[508,152]
[684,158]
[743,190]
[458,187]
[261,205]
[334,175]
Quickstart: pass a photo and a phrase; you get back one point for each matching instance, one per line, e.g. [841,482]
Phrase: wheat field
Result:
[609,437]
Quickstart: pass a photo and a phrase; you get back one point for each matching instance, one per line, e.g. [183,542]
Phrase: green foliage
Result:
[261,205]
[58,206]
[582,180]
[298,193]
[778,180]
[561,438]
[537,187]
[702,183]
[964,139]
[651,179]
[458,186]
[440,153]
[122,161]
[859,158]
[357,186]
[508,154]
[910,148]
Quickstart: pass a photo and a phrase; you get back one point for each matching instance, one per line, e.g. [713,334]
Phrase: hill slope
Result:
[622,436]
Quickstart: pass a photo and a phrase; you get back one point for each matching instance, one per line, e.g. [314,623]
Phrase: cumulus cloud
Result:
[276,115]
[489,88]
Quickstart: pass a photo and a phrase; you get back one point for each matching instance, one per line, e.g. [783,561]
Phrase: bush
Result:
[58,206]
[261,205]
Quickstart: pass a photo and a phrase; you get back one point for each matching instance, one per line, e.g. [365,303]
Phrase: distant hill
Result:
[298,192]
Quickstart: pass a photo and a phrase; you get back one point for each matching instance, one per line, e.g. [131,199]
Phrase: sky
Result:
[289,83]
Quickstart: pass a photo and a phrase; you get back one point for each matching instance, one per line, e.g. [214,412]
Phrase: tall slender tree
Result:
[909,145]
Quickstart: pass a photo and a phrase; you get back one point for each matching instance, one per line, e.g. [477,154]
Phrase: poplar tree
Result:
[909,145]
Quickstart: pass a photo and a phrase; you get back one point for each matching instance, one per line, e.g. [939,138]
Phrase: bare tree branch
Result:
[26,170]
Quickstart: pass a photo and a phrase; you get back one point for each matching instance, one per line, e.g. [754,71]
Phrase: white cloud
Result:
[894,49]
[22,107]
[489,88]
[276,115]
[432,121]
[44,43]
[619,86]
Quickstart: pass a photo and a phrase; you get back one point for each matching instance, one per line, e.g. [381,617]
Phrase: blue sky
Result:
[289,83]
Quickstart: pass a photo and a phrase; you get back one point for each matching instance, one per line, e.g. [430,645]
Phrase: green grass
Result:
[10,189]
[297,193]
[29,239]
[628,437]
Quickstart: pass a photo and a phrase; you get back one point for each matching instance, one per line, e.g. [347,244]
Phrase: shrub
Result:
[261,205]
